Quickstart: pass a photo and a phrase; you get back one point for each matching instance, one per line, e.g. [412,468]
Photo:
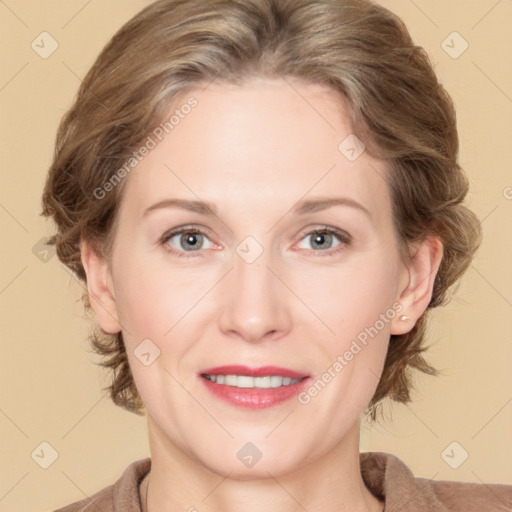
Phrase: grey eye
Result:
[321,240]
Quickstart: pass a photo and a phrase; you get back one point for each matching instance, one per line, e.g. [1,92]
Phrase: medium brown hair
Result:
[397,107]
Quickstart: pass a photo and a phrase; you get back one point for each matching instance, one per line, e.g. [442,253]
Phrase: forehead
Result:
[262,143]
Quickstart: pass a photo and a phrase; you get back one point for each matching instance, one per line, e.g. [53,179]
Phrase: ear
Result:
[415,296]
[100,288]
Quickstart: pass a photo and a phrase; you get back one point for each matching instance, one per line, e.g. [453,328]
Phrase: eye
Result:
[325,239]
[186,240]
[192,240]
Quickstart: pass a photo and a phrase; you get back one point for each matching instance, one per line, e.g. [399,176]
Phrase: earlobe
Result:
[415,297]
[100,288]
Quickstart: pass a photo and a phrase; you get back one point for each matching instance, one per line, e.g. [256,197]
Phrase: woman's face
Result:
[297,269]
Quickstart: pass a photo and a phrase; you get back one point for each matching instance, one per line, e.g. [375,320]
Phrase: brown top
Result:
[385,475]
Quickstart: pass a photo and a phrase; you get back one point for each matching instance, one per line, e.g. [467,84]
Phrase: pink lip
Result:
[253,372]
[254,398]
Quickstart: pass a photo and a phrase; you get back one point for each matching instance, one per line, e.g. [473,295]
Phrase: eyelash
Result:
[344,238]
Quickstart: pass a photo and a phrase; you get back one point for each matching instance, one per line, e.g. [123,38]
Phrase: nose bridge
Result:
[256,304]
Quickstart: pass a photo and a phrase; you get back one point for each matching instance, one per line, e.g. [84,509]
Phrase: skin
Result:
[254,151]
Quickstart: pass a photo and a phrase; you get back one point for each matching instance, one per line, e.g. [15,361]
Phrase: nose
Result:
[255,303]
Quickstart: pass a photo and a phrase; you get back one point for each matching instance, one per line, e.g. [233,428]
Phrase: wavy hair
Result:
[356,47]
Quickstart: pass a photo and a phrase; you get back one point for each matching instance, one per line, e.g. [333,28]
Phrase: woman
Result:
[264,200]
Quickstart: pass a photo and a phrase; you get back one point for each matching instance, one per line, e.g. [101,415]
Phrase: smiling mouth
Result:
[253,388]
[249,382]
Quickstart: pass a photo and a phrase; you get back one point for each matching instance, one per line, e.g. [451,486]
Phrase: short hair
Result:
[356,47]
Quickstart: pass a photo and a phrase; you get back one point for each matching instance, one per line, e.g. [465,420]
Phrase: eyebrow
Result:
[322,203]
[301,208]
[201,207]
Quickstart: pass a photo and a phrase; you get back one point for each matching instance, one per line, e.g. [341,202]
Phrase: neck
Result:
[331,483]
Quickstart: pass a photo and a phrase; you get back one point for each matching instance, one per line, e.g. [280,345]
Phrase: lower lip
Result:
[254,398]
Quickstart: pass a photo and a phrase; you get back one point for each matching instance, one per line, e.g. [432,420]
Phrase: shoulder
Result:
[465,496]
[389,478]
[122,495]
[102,500]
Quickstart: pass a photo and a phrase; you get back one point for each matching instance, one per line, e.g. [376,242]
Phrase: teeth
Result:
[262,382]
[244,381]
[276,381]
[230,380]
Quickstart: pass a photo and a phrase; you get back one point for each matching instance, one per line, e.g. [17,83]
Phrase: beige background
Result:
[50,388]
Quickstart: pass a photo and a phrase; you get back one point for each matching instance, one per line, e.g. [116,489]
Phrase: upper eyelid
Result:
[185,229]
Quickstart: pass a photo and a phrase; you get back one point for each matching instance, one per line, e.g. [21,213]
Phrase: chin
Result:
[251,461]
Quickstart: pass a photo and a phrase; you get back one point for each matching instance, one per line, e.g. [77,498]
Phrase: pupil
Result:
[320,240]
[191,239]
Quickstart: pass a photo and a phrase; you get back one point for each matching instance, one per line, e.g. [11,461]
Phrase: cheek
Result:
[352,295]
[152,296]
[162,312]
[355,303]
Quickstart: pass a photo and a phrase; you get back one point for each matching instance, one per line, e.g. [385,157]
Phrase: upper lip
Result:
[253,372]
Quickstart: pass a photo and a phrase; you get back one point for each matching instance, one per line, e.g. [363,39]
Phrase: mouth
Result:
[254,388]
